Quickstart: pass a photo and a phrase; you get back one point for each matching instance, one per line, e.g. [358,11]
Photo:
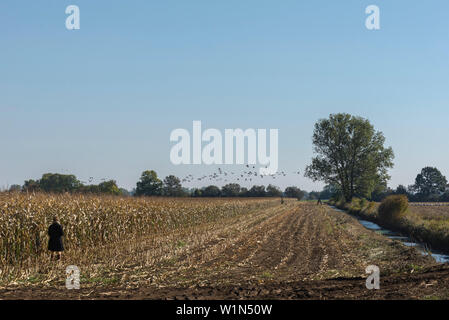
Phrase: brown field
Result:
[432,218]
[257,250]
[430,212]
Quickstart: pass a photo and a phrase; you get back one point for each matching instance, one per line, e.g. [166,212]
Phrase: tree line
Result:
[150,184]
[430,186]
[62,183]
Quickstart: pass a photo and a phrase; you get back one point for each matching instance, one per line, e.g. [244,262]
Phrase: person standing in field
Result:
[55,242]
[319,201]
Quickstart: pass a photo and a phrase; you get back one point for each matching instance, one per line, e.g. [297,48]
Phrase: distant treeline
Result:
[430,186]
[150,185]
[62,183]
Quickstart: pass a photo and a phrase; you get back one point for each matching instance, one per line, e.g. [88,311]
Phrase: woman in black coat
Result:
[55,242]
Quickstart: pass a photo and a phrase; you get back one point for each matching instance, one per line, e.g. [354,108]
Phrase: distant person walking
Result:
[319,201]
[55,242]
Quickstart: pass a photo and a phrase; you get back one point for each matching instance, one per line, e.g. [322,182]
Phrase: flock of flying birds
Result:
[222,176]
[91,179]
[249,175]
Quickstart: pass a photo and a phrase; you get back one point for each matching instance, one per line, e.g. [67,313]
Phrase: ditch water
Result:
[421,247]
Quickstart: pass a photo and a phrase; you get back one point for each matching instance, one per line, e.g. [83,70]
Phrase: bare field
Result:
[290,251]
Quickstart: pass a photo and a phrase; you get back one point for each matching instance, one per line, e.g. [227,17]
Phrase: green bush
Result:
[371,208]
[393,208]
[363,203]
[354,206]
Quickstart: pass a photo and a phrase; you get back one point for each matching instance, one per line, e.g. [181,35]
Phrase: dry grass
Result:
[393,208]
[435,219]
[430,212]
[427,222]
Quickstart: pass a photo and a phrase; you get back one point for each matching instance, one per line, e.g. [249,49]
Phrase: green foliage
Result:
[294,192]
[15,188]
[173,187]
[109,187]
[31,186]
[257,191]
[371,209]
[243,192]
[197,193]
[350,155]
[363,203]
[149,184]
[330,191]
[393,208]
[355,206]
[124,192]
[445,197]
[314,195]
[56,183]
[60,183]
[231,190]
[181,244]
[211,191]
[380,192]
[429,183]
[92,189]
[273,191]
[401,190]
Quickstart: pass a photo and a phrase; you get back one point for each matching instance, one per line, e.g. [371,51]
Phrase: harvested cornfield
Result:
[295,250]
[93,221]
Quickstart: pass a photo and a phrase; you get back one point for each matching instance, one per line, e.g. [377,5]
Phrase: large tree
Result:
[350,154]
[401,189]
[430,182]
[58,183]
[173,187]
[149,184]
[109,187]
[31,185]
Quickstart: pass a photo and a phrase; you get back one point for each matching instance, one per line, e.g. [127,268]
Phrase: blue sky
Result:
[101,101]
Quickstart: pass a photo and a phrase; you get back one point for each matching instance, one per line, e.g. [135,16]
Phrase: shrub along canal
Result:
[421,247]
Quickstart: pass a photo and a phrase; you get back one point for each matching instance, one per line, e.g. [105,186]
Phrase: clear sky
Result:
[101,101]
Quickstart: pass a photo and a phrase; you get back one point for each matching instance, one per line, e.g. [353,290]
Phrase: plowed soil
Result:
[292,251]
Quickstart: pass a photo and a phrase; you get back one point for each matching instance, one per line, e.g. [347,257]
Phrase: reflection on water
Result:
[370,225]
[439,257]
